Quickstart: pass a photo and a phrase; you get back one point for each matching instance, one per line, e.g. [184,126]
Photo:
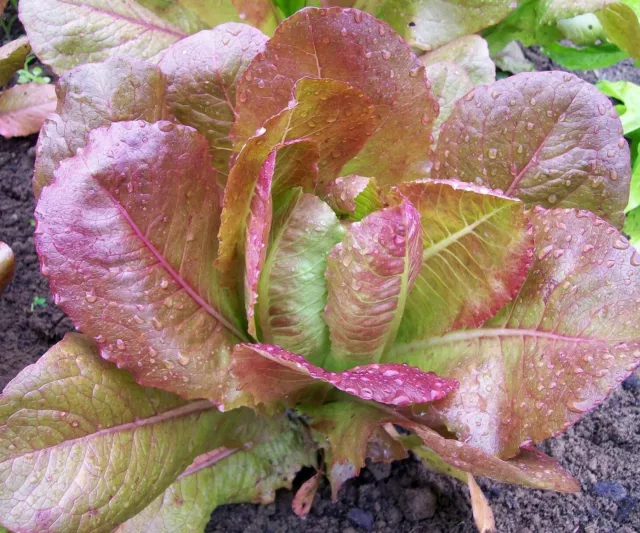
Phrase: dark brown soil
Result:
[603,450]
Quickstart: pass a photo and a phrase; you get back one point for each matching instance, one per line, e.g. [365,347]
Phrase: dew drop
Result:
[90,297]
[545,252]
[621,243]
[529,126]
[164,284]
[493,153]
[183,360]
[386,54]
[121,345]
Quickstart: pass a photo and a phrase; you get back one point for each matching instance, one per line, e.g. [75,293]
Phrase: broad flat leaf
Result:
[470,53]
[82,447]
[257,237]
[449,83]
[126,236]
[12,56]
[23,108]
[428,24]
[7,265]
[621,24]
[530,468]
[369,276]
[477,249]
[334,115]
[202,72]
[267,374]
[632,227]
[553,353]
[582,30]
[292,291]
[512,59]
[585,58]
[91,96]
[355,48]
[296,166]
[347,429]
[547,138]
[223,477]
[67,33]
[354,197]
[482,513]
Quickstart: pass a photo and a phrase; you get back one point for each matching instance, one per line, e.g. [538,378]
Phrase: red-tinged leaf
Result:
[23,108]
[292,291]
[202,72]
[334,115]
[267,374]
[7,265]
[556,351]
[12,56]
[530,468]
[296,166]
[354,197]
[369,276]
[304,497]
[347,430]
[126,236]
[257,237]
[477,250]
[547,138]
[353,47]
[92,96]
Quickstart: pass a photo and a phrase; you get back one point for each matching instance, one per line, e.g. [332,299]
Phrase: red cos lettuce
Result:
[260,224]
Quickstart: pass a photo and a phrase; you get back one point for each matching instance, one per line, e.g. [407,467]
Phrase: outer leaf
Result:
[477,253]
[547,138]
[84,448]
[268,373]
[354,197]
[585,58]
[346,430]
[552,354]
[449,83]
[335,116]
[226,476]
[126,236]
[428,24]
[622,27]
[303,499]
[369,276]
[7,265]
[470,53]
[12,56]
[67,33]
[292,290]
[92,96]
[352,47]
[23,108]
[202,72]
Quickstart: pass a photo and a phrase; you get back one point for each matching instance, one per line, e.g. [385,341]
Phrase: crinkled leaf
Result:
[226,476]
[622,27]
[449,83]
[354,197]
[547,138]
[66,33]
[23,108]
[369,276]
[202,72]
[334,115]
[126,236]
[428,24]
[7,265]
[83,447]
[355,48]
[92,96]
[268,374]
[511,59]
[12,56]
[292,291]
[345,430]
[477,252]
[553,353]
[470,53]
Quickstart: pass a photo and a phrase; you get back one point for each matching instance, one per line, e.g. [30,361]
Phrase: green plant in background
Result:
[628,94]
[38,301]
[29,74]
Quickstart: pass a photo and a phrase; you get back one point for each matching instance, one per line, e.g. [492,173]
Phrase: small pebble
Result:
[360,518]
[612,491]
[632,383]
[418,504]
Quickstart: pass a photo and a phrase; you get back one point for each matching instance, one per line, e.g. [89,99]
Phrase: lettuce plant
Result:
[270,259]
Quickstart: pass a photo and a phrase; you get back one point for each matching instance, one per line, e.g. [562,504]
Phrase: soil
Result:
[602,451]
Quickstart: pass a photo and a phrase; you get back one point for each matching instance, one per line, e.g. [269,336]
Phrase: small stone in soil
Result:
[611,491]
[418,504]
[625,508]
[632,383]
[360,518]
